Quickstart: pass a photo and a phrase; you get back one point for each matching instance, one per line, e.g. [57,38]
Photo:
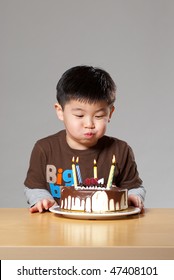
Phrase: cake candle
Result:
[95,169]
[74,172]
[78,171]
[111,173]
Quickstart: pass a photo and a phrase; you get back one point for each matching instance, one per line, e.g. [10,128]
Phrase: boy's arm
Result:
[140,192]
[136,197]
[35,195]
[39,199]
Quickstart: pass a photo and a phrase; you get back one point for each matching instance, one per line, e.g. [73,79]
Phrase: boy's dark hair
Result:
[86,83]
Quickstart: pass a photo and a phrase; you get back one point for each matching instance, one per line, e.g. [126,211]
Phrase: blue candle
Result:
[78,171]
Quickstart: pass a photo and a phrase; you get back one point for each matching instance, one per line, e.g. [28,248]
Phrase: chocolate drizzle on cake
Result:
[87,195]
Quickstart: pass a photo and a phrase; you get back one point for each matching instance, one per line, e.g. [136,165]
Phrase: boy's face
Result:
[85,123]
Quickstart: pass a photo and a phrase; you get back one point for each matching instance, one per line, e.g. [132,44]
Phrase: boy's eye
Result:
[79,116]
[99,116]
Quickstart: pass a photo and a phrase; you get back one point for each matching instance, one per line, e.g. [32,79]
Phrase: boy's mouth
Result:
[89,135]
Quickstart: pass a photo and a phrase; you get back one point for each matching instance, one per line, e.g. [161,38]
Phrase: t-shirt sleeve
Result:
[36,177]
[35,195]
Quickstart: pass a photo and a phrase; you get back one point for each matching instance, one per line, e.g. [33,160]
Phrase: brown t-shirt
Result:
[51,163]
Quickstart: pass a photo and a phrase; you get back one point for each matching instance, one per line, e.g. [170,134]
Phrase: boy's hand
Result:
[42,205]
[135,201]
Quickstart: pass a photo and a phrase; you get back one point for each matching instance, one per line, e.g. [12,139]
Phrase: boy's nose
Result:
[89,123]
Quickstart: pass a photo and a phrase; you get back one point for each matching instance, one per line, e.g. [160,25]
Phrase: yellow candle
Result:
[74,172]
[111,173]
[95,169]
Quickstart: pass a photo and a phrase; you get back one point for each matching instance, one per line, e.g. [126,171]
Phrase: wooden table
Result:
[48,236]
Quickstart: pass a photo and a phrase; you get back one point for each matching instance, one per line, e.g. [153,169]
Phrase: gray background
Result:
[131,39]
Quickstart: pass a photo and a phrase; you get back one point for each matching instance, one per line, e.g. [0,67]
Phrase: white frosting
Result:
[98,203]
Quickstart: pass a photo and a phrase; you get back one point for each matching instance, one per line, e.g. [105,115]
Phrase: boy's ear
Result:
[59,111]
[111,112]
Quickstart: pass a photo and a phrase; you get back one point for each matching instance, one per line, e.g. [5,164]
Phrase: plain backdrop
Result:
[131,39]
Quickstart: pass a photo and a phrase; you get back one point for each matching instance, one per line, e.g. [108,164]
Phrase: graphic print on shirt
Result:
[57,177]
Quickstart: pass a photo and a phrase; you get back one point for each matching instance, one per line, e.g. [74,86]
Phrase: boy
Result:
[85,104]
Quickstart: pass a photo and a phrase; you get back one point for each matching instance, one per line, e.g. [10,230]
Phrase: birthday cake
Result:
[93,199]
[92,195]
